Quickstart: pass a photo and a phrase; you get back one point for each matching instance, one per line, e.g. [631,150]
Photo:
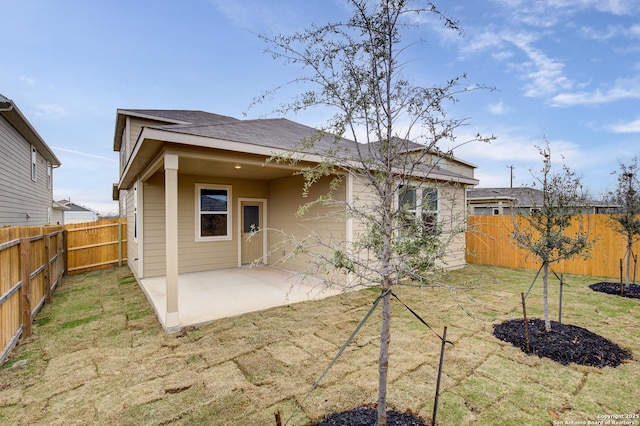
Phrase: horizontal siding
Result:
[327,221]
[452,217]
[460,168]
[451,214]
[192,256]
[19,195]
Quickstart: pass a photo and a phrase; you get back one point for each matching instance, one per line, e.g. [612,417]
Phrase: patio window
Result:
[419,204]
[213,212]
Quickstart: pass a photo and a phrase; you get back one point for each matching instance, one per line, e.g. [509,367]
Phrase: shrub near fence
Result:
[34,259]
[489,242]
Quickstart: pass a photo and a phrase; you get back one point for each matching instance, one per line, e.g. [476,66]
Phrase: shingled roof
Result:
[276,133]
[521,196]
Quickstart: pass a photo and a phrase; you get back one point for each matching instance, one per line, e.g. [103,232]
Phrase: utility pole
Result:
[511,175]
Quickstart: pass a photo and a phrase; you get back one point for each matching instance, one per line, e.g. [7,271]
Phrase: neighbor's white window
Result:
[213,212]
[34,160]
[421,204]
[49,175]
[49,215]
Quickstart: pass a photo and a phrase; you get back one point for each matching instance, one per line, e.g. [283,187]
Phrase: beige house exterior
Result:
[193,186]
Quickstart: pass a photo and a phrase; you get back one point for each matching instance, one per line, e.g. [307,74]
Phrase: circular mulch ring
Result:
[564,343]
[367,416]
[632,292]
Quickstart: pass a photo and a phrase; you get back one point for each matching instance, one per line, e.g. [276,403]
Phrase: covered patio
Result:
[211,295]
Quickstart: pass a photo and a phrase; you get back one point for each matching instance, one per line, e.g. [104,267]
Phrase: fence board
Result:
[489,242]
[94,245]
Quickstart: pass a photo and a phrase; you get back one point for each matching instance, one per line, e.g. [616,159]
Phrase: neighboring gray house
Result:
[26,171]
[75,213]
[504,201]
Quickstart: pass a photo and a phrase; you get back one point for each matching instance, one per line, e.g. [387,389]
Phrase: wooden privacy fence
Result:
[34,259]
[489,242]
[31,266]
[96,245]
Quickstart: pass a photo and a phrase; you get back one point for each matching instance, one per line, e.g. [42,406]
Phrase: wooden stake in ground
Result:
[278,418]
[560,307]
[621,282]
[526,323]
[435,402]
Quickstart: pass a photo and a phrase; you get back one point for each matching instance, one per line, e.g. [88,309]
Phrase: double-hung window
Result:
[213,212]
[419,204]
[49,175]
[34,162]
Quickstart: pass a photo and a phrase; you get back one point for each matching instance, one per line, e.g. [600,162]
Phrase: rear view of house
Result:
[26,171]
[194,185]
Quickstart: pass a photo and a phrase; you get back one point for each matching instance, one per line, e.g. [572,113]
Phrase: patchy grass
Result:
[99,356]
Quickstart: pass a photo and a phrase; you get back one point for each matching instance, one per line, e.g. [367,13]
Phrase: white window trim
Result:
[34,163]
[419,210]
[229,212]
[49,175]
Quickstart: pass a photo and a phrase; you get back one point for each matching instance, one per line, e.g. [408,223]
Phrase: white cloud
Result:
[610,32]
[545,75]
[631,127]
[628,88]
[499,108]
[84,154]
[50,110]
[548,13]
[30,81]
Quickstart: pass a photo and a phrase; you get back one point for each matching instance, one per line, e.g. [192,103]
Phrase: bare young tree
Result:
[544,230]
[626,197]
[403,214]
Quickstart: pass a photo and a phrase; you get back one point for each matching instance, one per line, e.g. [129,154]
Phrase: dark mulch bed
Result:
[564,343]
[632,292]
[367,416]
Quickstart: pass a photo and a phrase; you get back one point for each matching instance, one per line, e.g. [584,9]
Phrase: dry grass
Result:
[98,356]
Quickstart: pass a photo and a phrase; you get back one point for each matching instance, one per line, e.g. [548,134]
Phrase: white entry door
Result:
[252,245]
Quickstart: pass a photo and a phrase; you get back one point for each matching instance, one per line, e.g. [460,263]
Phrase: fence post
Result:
[25,273]
[119,244]
[47,267]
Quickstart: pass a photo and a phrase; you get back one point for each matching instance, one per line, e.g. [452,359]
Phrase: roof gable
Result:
[10,111]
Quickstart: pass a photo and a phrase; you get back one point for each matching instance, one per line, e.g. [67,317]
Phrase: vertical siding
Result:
[19,194]
[328,221]
[193,256]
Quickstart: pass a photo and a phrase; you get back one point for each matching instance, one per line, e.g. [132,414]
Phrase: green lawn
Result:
[98,356]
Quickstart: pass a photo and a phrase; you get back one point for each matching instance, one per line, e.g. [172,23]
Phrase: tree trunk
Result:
[545,295]
[383,364]
[629,247]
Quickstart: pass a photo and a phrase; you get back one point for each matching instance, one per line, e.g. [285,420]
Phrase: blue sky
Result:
[564,70]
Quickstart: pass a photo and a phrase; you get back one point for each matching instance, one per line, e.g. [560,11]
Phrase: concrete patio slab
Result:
[207,296]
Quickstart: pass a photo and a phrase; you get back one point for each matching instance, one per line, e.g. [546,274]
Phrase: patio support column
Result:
[172,319]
